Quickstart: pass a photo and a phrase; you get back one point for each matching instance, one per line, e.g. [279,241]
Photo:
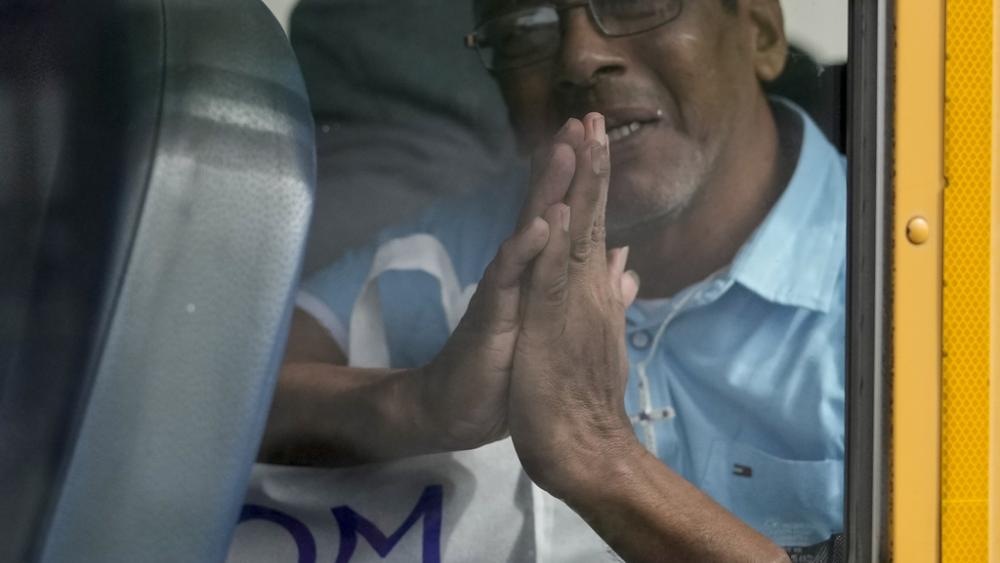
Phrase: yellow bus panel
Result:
[918,186]
[965,390]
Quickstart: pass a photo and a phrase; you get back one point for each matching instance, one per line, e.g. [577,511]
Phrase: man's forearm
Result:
[329,415]
[646,512]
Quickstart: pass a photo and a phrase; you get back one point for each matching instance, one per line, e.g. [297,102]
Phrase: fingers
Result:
[588,194]
[552,170]
[601,164]
[547,287]
[518,251]
[497,300]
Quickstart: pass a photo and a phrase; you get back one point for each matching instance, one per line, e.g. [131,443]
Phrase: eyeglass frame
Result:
[471,39]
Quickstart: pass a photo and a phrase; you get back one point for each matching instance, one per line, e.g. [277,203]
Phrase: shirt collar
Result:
[795,256]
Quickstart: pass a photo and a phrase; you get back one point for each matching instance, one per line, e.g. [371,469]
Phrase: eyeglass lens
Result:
[531,35]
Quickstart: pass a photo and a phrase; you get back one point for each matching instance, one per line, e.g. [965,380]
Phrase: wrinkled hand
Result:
[570,363]
[466,386]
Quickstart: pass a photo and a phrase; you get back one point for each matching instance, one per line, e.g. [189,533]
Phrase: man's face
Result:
[672,98]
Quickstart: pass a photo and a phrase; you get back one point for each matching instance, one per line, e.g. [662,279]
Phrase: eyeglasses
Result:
[531,35]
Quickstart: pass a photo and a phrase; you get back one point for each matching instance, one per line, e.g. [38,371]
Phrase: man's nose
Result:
[586,55]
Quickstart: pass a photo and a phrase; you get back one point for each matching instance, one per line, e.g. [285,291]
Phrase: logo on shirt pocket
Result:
[793,502]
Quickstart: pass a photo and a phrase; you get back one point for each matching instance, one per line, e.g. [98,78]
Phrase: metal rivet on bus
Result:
[918,231]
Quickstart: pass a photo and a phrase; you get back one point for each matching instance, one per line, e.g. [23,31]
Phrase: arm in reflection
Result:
[327,414]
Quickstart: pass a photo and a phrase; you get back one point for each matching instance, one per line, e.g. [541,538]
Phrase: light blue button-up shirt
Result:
[737,383]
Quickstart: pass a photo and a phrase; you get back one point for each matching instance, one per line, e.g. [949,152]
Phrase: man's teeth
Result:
[619,133]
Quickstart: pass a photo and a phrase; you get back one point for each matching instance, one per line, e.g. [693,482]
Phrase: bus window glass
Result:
[575,285]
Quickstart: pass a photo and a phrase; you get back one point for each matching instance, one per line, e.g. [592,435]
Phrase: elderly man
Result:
[695,417]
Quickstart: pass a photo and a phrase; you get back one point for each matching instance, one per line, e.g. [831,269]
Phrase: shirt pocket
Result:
[793,502]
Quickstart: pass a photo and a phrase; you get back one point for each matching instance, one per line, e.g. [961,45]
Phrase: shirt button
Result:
[640,340]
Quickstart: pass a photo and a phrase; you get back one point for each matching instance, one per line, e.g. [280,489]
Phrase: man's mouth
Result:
[618,133]
[623,124]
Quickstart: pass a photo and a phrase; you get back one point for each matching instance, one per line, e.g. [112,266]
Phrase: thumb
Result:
[629,288]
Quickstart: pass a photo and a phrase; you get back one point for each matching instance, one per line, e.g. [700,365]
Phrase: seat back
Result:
[155,190]
[821,90]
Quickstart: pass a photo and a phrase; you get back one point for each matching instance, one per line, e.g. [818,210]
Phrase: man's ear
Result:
[770,47]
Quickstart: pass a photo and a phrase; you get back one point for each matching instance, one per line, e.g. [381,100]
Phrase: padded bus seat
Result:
[157,168]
